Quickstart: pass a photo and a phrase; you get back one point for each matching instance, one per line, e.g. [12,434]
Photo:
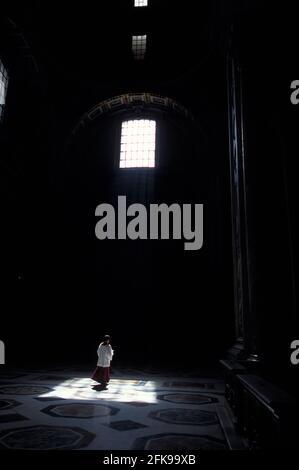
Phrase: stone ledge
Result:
[265,392]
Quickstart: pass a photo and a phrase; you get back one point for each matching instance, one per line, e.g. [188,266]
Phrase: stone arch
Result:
[136,102]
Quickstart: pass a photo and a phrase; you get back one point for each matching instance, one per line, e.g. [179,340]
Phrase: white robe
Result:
[105,353]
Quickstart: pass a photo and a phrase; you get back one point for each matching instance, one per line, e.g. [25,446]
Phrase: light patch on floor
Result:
[65,409]
[119,390]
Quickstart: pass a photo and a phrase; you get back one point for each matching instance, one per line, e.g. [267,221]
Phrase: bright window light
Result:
[138,144]
[3,88]
[140,3]
[139,46]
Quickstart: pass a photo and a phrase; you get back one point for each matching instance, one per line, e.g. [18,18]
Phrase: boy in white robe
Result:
[105,354]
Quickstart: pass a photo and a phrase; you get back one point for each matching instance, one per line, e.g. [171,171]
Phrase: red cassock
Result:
[101,375]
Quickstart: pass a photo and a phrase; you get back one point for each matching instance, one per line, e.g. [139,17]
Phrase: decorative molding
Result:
[133,102]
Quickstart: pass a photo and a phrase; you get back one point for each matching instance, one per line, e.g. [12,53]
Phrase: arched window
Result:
[3,88]
[138,144]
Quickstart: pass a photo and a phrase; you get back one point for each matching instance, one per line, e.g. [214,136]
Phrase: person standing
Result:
[105,354]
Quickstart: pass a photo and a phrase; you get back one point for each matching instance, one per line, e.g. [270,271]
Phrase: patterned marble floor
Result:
[62,409]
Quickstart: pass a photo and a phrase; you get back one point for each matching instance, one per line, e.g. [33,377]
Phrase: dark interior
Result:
[226,69]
